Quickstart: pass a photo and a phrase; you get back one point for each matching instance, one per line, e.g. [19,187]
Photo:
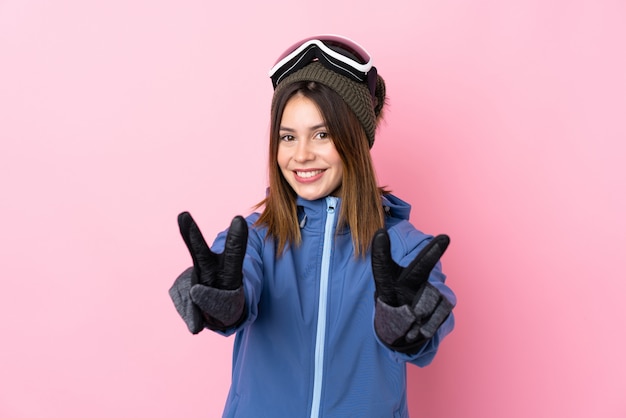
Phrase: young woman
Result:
[329,289]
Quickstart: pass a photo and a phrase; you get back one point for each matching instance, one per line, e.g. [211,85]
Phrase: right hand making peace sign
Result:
[211,293]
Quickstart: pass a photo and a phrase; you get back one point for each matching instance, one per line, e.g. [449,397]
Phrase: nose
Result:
[303,151]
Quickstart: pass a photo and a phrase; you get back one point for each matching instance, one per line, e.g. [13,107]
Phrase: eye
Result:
[322,135]
[287,138]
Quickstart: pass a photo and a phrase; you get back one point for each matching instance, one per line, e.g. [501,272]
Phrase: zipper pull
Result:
[331,203]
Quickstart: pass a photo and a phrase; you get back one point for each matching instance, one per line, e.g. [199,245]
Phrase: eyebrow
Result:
[312,128]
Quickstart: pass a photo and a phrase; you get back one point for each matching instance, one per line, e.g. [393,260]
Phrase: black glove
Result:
[211,293]
[409,310]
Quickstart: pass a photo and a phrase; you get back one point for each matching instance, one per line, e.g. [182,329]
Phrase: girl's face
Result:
[307,156]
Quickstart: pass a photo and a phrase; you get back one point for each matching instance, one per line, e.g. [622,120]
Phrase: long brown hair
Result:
[361,208]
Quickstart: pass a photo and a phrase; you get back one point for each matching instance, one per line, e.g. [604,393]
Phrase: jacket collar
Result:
[393,206]
[396,207]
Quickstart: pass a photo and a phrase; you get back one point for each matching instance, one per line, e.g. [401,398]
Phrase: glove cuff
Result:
[179,292]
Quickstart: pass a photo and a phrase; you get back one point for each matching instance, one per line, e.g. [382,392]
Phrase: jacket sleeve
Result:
[252,271]
[406,243]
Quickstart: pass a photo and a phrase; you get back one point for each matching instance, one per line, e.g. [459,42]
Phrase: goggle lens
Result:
[335,52]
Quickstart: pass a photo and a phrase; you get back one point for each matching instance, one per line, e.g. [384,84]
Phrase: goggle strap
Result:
[372,80]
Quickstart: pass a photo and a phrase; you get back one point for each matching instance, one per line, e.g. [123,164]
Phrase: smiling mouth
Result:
[308,174]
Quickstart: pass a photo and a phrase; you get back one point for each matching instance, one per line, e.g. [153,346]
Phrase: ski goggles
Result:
[336,53]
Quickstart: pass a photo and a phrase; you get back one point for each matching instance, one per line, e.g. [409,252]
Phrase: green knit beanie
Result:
[355,94]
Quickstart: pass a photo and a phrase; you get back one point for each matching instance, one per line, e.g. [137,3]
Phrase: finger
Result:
[225,306]
[185,222]
[384,268]
[381,256]
[416,273]
[426,301]
[441,313]
[392,322]
[203,259]
[234,253]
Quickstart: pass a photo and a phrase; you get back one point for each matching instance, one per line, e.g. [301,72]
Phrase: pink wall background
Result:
[505,129]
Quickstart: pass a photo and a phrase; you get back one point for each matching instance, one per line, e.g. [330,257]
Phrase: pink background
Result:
[506,130]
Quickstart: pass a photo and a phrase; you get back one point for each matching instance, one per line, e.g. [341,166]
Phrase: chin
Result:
[312,195]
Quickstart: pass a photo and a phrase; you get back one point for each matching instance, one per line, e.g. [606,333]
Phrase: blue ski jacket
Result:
[308,346]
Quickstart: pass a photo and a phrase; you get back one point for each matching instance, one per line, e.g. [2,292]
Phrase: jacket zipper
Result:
[331,203]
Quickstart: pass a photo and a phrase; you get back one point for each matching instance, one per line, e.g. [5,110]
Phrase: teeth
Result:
[308,174]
